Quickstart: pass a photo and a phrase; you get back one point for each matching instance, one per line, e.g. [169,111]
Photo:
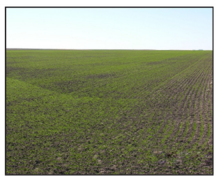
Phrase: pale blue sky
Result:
[109,28]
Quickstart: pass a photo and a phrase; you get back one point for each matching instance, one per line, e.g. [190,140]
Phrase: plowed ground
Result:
[109,112]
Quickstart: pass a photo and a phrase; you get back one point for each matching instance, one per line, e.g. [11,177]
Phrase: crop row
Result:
[108,112]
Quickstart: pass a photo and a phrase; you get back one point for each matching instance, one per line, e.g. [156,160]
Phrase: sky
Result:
[109,28]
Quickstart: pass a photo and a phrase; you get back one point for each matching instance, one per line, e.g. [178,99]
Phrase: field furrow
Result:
[109,112]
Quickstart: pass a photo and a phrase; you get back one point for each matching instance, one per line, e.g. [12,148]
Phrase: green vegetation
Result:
[108,112]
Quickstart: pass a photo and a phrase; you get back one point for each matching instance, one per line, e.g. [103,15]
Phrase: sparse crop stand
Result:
[109,112]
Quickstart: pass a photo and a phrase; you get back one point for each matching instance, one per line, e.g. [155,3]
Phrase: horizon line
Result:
[107,49]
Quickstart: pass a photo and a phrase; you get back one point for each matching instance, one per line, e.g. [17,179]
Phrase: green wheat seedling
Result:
[108,112]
